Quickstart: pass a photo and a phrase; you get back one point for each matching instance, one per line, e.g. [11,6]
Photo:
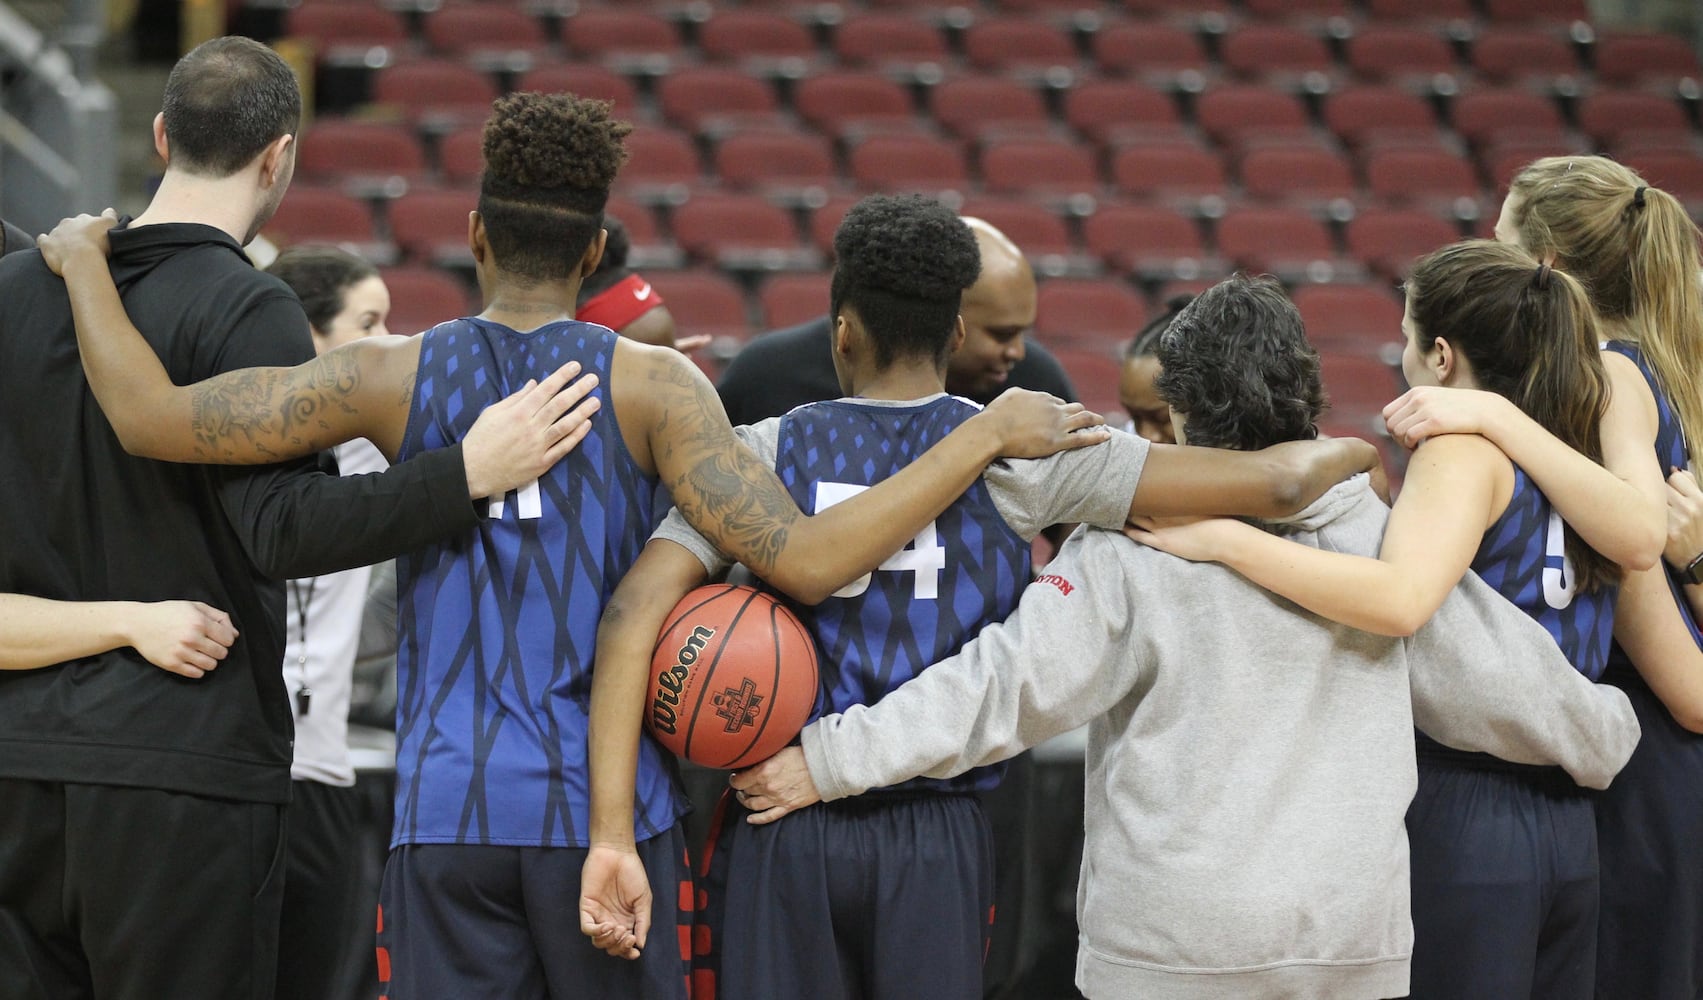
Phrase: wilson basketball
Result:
[733,678]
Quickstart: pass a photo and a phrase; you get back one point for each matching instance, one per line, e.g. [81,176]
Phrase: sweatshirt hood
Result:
[135,252]
[1337,501]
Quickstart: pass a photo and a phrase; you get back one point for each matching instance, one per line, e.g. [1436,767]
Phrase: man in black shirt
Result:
[791,367]
[141,812]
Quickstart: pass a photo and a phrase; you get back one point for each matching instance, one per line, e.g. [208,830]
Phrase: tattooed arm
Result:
[737,502]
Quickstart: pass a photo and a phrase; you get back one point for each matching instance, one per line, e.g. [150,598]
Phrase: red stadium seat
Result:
[1145,240]
[1358,386]
[980,105]
[1419,175]
[1038,166]
[1236,114]
[1679,174]
[620,35]
[1276,240]
[1373,114]
[1391,11]
[585,80]
[879,39]
[1393,52]
[659,157]
[1035,229]
[740,35]
[837,101]
[423,297]
[1095,372]
[1637,57]
[642,229]
[1142,48]
[1296,173]
[738,231]
[775,161]
[432,225]
[1306,9]
[1267,50]
[1168,170]
[478,29]
[330,27]
[1389,240]
[1608,114]
[791,299]
[319,215]
[1487,115]
[1500,161]
[1105,110]
[1515,55]
[335,150]
[1084,311]
[909,163]
[435,93]
[701,98]
[826,218]
[703,302]
[461,155]
[1558,12]
[1352,319]
[1018,43]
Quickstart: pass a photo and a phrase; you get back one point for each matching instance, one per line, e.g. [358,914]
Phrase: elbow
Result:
[1646,554]
[1689,717]
[1287,493]
[1398,623]
[809,589]
[138,442]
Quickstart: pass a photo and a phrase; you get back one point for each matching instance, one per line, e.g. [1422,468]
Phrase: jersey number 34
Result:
[925,556]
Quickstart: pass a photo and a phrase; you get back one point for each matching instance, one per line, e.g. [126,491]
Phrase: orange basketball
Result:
[733,678]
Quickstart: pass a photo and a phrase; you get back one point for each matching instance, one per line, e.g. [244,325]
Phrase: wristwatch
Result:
[1693,571]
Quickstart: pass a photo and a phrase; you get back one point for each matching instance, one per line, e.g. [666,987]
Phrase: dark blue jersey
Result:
[1671,453]
[498,626]
[1523,555]
[965,570]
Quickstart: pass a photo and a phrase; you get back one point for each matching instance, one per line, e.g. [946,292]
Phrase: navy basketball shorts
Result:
[478,922]
[1649,828]
[1504,866]
[880,897]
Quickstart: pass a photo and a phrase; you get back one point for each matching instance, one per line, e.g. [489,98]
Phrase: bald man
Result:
[791,367]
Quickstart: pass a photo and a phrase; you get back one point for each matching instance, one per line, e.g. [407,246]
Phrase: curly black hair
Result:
[902,263]
[1145,343]
[1237,364]
[549,162]
[320,277]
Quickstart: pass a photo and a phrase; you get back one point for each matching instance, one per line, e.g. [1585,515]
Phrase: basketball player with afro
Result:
[888,895]
[497,625]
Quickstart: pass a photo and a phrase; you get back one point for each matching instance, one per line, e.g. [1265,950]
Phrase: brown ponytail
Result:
[1636,249]
[1530,334]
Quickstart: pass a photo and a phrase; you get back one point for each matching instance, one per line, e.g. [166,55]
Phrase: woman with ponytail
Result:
[1504,860]
[1636,249]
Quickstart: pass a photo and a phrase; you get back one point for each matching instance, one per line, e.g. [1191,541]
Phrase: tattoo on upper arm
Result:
[719,486]
[268,411]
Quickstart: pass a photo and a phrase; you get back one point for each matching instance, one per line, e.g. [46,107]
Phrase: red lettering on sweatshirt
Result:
[1064,586]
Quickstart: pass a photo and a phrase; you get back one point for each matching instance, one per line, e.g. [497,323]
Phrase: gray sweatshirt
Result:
[1249,763]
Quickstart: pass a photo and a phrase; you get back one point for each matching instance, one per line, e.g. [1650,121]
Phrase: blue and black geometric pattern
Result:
[875,641]
[1517,552]
[498,627]
[1671,453]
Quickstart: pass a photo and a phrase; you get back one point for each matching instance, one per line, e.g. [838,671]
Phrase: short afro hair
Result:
[901,265]
[225,101]
[1237,364]
[549,162]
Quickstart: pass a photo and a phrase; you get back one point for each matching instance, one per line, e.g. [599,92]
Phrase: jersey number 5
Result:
[925,556]
[1558,579]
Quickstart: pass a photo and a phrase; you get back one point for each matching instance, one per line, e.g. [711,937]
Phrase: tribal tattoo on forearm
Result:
[270,408]
[723,488]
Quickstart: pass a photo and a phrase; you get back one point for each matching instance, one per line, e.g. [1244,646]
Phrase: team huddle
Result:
[1444,749]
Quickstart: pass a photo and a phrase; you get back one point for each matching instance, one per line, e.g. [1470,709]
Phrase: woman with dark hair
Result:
[1504,856]
[497,626]
[1138,391]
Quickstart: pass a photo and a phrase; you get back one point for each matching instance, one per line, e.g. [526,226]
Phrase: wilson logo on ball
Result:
[733,677]
[664,710]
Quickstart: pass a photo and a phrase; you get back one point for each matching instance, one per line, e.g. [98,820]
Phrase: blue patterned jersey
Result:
[498,626]
[1523,555]
[965,570]
[1671,453]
